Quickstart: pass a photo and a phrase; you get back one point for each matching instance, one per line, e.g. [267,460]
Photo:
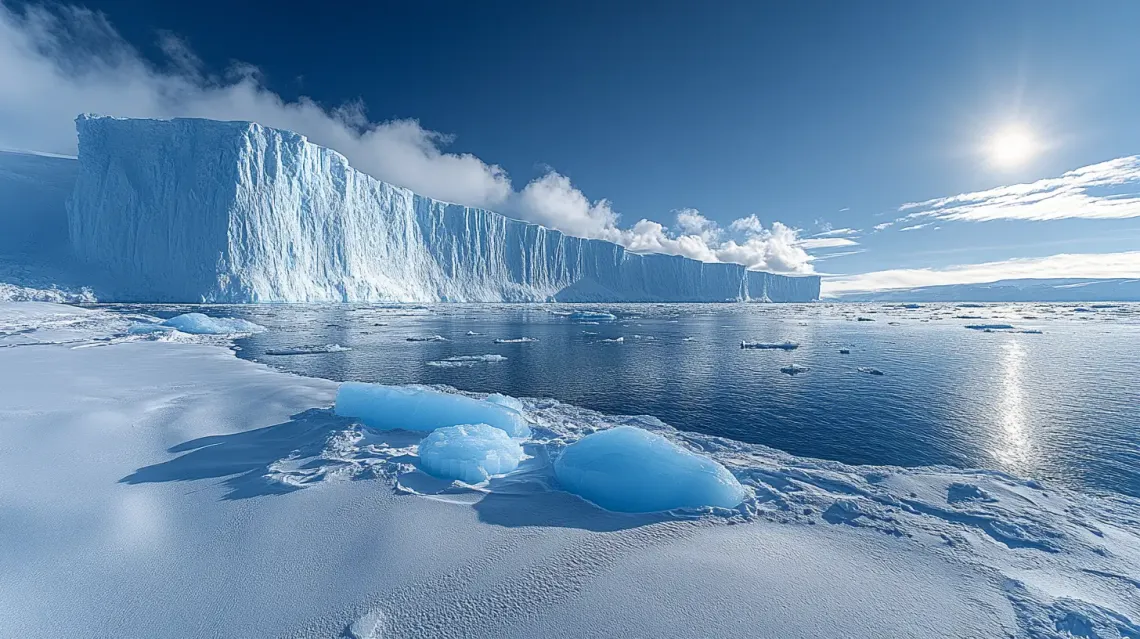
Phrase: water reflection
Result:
[1015,445]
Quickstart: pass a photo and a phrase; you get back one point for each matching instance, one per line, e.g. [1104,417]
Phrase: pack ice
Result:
[190,210]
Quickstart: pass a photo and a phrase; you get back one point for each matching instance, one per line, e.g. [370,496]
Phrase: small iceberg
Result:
[471,453]
[794,369]
[629,469]
[460,361]
[786,346]
[308,350]
[427,338]
[516,340]
[399,407]
[870,371]
[612,340]
[199,324]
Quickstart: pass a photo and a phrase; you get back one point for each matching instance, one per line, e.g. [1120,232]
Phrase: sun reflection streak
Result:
[1013,450]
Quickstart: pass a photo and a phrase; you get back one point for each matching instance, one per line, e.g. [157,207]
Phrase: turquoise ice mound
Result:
[629,469]
[199,324]
[392,407]
[592,315]
[471,453]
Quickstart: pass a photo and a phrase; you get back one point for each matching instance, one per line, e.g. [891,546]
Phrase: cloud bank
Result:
[1071,265]
[58,63]
[1099,191]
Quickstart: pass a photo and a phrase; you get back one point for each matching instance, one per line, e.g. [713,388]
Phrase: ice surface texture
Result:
[194,210]
[199,324]
[470,453]
[629,469]
[391,407]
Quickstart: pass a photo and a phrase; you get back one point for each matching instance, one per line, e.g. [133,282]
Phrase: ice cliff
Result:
[192,210]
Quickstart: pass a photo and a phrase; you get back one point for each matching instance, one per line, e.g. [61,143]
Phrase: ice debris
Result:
[787,346]
[461,361]
[199,324]
[516,340]
[592,316]
[471,453]
[793,369]
[315,349]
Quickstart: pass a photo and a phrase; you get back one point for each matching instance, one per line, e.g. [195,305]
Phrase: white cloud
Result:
[830,232]
[1091,265]
[554,202]
[747,225]
[915,227]
[57,64]
[826,242]
[884,225]
[1077,194]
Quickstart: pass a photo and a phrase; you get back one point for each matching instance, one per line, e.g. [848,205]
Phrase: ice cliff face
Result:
[197,210]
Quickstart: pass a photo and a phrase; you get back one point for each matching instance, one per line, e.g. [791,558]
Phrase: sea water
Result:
[1056,397]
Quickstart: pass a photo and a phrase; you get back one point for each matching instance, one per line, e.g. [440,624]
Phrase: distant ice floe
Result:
[786,346]
[201,324]
[426,338]
[466,361]
[870,371]
[632,470]
[308,350]
[793,369]
[613,340]
[471,453]
[516,340]
[990,327]
[593,316]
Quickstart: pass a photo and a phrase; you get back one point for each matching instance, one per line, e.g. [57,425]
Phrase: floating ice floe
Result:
[393,407]
[613,340]
[764,346]
[629,469]
[471,453]
[314,349]
[793,369]
[199,324]
[870,371]
[592,316]
[990,327]
[426,338]
[461,361]
[516,340]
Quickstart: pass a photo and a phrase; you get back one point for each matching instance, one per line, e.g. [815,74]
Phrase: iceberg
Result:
[592,316]
[767,346]
[191,210]
[471,453]
[393,407]
[629,469]
[200,324]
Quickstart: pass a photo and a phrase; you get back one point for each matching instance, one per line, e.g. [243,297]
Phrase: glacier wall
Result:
[34,189]
[190,210]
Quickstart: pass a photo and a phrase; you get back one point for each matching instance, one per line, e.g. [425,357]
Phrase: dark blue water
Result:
[1060,405]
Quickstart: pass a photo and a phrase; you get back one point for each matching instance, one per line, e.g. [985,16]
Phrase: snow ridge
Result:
[191,210]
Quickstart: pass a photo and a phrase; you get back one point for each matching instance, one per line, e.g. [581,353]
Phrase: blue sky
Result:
[591,118]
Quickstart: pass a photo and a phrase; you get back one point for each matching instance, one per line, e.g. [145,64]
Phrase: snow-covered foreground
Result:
[153,485]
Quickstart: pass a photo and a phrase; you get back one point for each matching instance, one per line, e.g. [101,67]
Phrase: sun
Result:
[1012,146]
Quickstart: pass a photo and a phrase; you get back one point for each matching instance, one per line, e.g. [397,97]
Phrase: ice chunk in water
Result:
[592,315]
[770,346]
[630,469]
[391,407]
[199,324]
[470,453]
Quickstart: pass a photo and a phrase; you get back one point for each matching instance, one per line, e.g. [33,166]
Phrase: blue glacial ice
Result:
[764,346]
[629,469]
[392,407]
[190,210]
[592,316]
[470,453]
[199,324]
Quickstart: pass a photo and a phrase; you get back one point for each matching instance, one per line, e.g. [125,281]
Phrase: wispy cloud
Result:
[837,233]
[1097,191]
[826,242]
[915,227]
[883,226]
[1092,265]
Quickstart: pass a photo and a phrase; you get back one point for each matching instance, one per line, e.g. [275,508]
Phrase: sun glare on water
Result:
[1012,146]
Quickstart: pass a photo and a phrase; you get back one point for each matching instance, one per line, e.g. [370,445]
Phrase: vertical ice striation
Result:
[198,210]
